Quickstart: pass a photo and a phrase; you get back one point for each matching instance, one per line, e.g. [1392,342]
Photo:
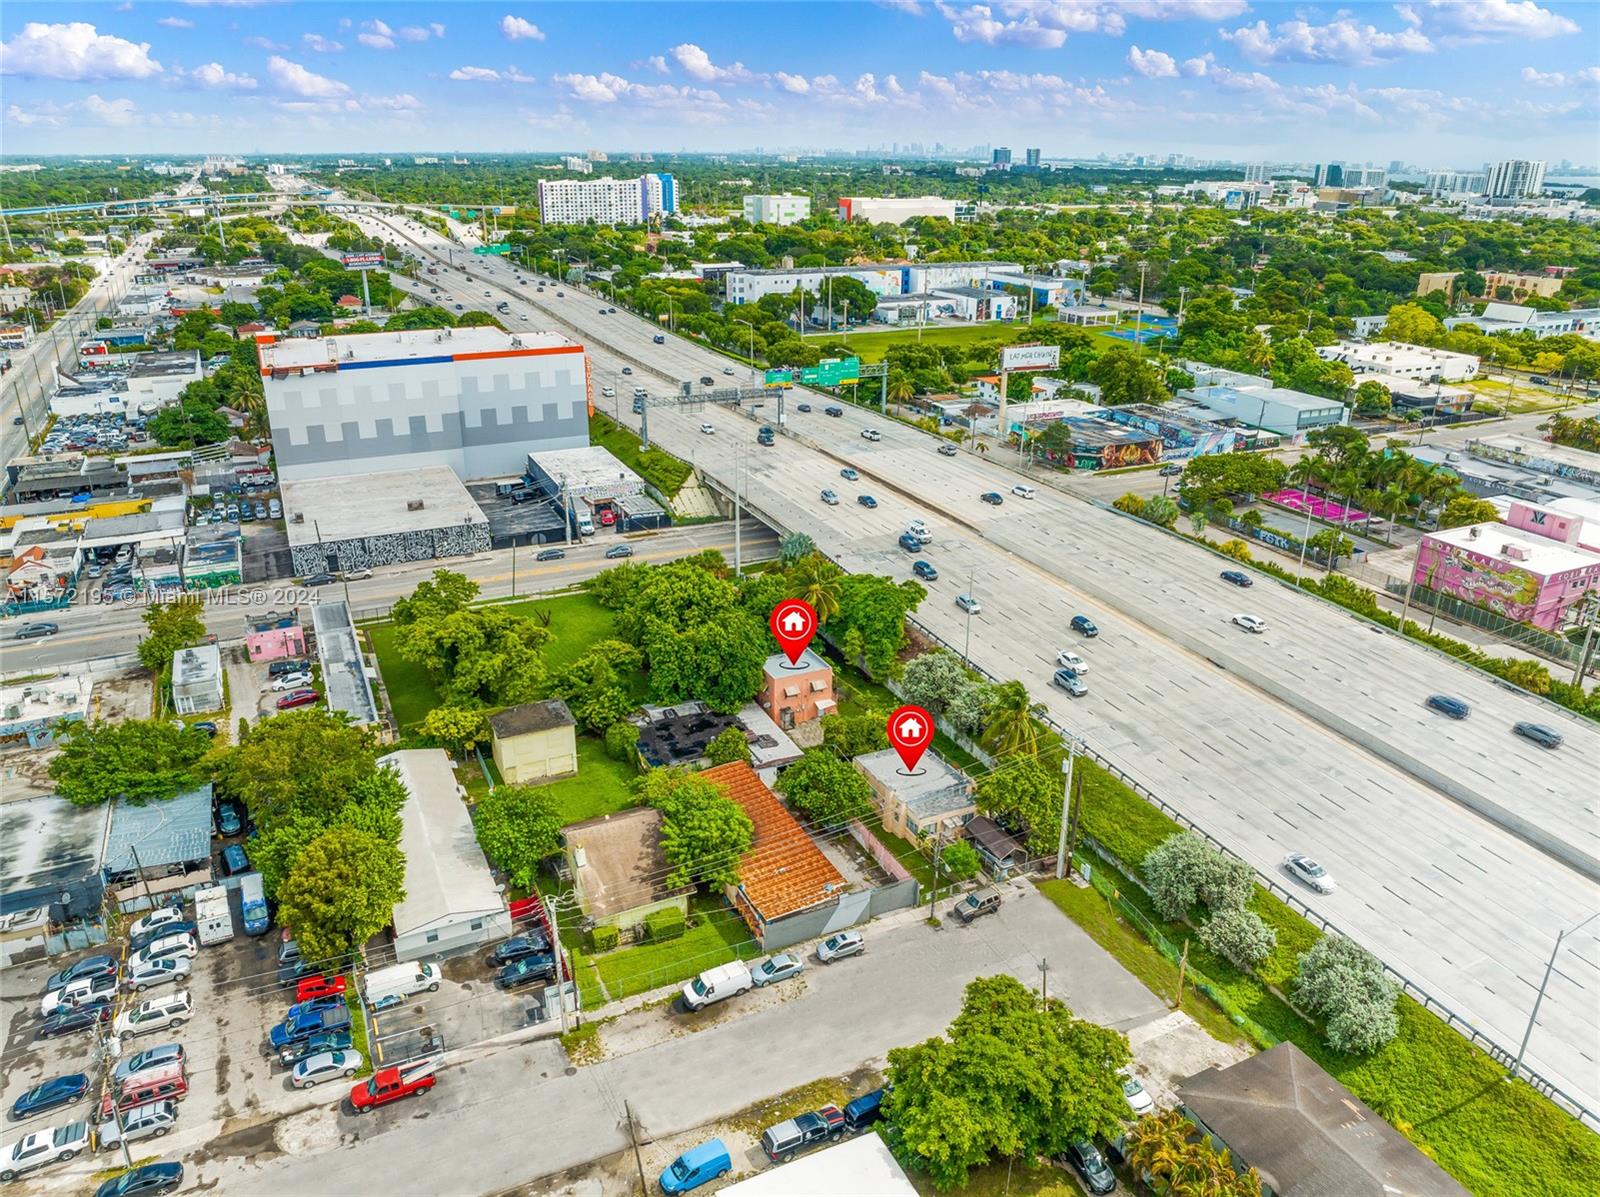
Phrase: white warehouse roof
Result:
[446,873]
[861,1167]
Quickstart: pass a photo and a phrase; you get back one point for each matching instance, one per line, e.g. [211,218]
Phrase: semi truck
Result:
[213,919]
[253,904]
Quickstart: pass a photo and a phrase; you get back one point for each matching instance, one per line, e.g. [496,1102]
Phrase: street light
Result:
[1516,1065]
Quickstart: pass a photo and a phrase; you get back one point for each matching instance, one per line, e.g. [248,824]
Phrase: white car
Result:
[1303,868]
[1072,661]
[156,972]
[871,434]
[357,575]
[708,429]
[82,992]
[43,1147]
[1250,623]
[727,369]
[154,921]
[155,1014]
[837,947]
[968,604]
[324,1066]
[608,392]
[1139,1101]
[291,681]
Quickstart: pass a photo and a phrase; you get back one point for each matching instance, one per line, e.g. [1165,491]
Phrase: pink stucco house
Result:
[274,636]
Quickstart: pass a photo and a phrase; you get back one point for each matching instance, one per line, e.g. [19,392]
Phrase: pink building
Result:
[275,636]
[798,693]
[1531,569]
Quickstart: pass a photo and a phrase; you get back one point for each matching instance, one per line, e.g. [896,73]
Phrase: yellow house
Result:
[535,742]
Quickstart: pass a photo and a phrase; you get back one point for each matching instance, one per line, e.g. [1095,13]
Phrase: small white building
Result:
[776,209]
[1402,360]
[197,679]
[451,898]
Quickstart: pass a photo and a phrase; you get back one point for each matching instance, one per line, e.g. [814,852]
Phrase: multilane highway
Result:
[1310,737]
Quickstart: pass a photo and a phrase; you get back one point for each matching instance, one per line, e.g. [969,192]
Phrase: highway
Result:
[1310,737]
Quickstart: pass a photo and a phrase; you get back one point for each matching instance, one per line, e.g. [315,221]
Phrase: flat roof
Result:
[446,873]
[1529,447]
[170,364]
[366,350]
[1096,432]
[777,665]
[623,866]
[173,831]
[1164,415]
[356,506]
[1543,556]
[586,468]
[784,872]
[969,292]
[191,666]
[862,1167]
[344,675]
[544,715]
[44,698]
[1245,395]
[43,834]
[936,788]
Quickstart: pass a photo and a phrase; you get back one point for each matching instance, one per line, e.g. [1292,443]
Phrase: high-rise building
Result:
[1365,176]
[1516,178]
[578,166]
[1396,166]
[1329,174]
[776,209]
[1257,172]
[1033,159]
[1001,157]
[607,200]
[1457,182]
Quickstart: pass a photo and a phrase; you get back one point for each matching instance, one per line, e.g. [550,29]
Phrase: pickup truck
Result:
[308,1019]
[392,1084]
[43,1147]
[802,1133]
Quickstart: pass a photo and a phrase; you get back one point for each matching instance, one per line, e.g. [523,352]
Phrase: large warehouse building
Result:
[475,400]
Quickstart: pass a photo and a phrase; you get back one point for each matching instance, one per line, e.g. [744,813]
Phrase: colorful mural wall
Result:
[1504,586]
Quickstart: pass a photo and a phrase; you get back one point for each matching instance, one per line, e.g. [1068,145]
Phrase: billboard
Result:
[360,261]
[832,372]
[1030,357]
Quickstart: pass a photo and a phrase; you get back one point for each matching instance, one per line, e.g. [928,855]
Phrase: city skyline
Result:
[1439,84]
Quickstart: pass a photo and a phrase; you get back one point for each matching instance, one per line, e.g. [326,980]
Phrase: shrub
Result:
[1240,935]
[622,742]
[1185,870]
[604,937]
[662,925]
[1345,986]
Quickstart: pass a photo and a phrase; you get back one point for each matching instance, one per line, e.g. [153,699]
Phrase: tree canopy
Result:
[137,760]
[704,833]
[828,791]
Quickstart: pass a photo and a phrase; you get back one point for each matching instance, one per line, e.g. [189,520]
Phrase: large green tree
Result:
[341,891]
[828,791]
[518,827]
[169,627]
[303,762]
[1127,376]
[1015,1077]
[849,736]
[487,655]
[137,760]
[872,618]
[704,832]
[372,805]
[1013,721]
[1026,791]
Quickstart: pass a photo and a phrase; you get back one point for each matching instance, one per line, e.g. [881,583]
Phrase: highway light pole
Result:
[966,651]
[1066,804]
[1516,1065]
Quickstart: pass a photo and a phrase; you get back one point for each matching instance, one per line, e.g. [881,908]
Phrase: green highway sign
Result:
[778,378]
[503,248]
[832,372]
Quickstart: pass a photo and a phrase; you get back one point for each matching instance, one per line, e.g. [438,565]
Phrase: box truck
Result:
[253,904]
[213,919]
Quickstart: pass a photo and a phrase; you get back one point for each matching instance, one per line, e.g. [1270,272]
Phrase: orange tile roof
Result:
[784,871]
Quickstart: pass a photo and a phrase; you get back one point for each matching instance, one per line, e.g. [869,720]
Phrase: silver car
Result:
[1303,868]
[324,1066]
[777,968]
[156,972]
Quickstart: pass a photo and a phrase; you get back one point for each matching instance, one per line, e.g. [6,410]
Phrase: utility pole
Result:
[1138,316]
[938,853]
[566,518]
[638,1162]
[1075,819]
[1183,966]
[1411,585]
[1044,980]
[561,982]
[1593,603]
[513,567]
[738,519]
[1066,806]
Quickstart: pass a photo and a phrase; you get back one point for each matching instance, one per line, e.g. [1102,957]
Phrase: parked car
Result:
[947,450]
[695,1167]
[229,820]
[840,945]
[323,578]
[977,904]
[291,681]
[550,555]
[925,571]
[520,947]
[1302,868]
[715,984]
[43,1147]
[156,972]
[180,944]
[147,1180]
[279,668]
[324,1066]
[1071,683]
[151,1059]
[357,575]
[1085,1159]
[1084,626]
[848,474]
[323,1041]
[776,968]
[309,989]
[992,497]
[138,943]
[866,501]
[297,698]
[1237,577]
[782,1142]
[831,498]
[1171,470]
[620,550]
[149,1121]
[85,991]
[76,1018]
[1139,1100]
[864,1111]
[156,1014]
[1072,661]
[526,971]
[235,859]
[51,1095]
[89,966]
[1544,737]
[1250,623]
[968,604]
[1445,704]
[393,1084]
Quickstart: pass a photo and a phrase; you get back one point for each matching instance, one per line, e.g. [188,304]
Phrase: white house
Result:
[197,679]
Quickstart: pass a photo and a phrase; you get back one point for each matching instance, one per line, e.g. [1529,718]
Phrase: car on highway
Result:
[947,450]
[706,380]
[805,407]
[992,497]
[968,604]
[1084,626]
[458,307]
[1071,683]
[840,945]
[1544,737]
[147,1180]
[627,369]
[1067,659]
[776,968]
[324,1066]
[925,571]
[831,498]
[1306,870]
[708,428]
[602,311]
[848,474]
[297,698]
[620,550]
[550,555]
[1250,623]
[658,338]
[725,369]
[1171,471]
[89,966]
[561,294]
[833,411]
[1236,577]
[33,631]
[866,500]
[291,681]
[1022,491]
[871,434]
[1447,704]
[909,543]
[52,1094]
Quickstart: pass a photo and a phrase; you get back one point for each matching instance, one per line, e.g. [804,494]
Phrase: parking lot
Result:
[106,432]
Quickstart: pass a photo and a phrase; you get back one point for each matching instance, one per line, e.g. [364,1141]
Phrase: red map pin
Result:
[793,624]
[910,732]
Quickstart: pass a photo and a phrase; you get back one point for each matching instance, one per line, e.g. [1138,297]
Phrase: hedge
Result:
[664,924]
[604,937]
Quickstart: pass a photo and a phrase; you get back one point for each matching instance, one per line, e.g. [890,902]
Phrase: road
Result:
[90,631]
[1311,737]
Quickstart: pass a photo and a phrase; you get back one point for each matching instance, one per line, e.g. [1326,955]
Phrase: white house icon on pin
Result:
[911,729]
[793,622]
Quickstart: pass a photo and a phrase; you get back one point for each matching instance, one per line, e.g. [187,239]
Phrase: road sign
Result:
[832,372]
[503,248]
[778,378]
[360,261]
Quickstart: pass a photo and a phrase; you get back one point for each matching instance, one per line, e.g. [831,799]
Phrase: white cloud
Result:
[1341,41]
[512,75]
[977,23]
[176,23]
[472,74]
[1491,20]
[44,114]
[913,7]
[519,30]
[1535,78]
[421,33]
[696,63]
[1196,68]
[606,88]
[264,43]
[1152,64]
[296,80]
[1046,24]
[793,83]
[1183,10]
[76,51]
[109,112]
[214,74]
[378,36]
[404,102]
[322,45]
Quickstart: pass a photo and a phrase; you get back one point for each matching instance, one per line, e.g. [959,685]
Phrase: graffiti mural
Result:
[1116,457]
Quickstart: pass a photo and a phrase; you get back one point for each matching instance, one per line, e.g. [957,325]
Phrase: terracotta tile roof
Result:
[784,871]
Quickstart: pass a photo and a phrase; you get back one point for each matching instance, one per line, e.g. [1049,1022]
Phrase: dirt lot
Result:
[25,772]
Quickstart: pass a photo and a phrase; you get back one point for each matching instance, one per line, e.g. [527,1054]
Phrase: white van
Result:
[585,524]
[1022,490]
[715,984]
[400,981]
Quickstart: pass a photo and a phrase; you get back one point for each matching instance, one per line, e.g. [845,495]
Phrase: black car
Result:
[1544,737]
[806,407]
[541,967]
[1446,704]
[520,947]
[620,550]
[205,725]
[833,411]
[869,501]
[322,579]
[551,555]
[78,1018]
[992,497]
[140,942]
[1084,626]
[279,668]
[1086,1160]
[706,380]
[147,1180]
[1237,577]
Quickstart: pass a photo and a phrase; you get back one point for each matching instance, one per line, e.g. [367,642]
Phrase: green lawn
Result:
[663,471]
[907,853]
[599,787]
[411,692]
[871,346]
[717,936]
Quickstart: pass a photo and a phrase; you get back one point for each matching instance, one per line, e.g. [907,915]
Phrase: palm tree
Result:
[900,389]
[1158,1145]
[1011,725]
[1393,502]
[816,580]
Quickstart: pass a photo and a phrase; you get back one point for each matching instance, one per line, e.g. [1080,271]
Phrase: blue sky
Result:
[1435,82]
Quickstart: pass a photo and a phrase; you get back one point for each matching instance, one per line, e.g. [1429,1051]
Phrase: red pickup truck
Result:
[391,1084]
